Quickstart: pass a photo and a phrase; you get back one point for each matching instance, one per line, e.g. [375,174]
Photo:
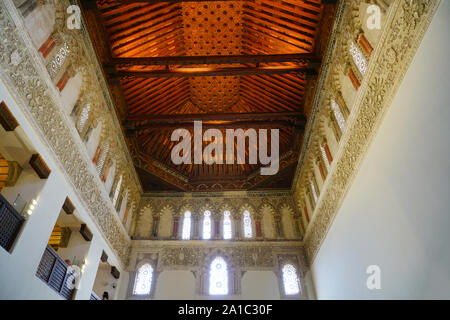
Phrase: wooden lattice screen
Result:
[53,271]
[10,223]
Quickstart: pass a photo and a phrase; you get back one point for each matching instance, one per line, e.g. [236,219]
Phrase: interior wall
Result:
[180,285]
[396,213]
[175,285]
[260,285]
[76,250]
[105,282]
[18,279]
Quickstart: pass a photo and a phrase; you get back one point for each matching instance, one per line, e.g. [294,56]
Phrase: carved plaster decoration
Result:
[216,202]
[182,255]
[405,25]
[38,99]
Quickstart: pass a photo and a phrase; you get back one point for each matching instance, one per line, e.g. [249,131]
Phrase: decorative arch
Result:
[166,222]
[143,280]
[295,264]
[291,228]
[267,212]
[234,273]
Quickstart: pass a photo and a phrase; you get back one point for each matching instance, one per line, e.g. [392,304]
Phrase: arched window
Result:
[207,225]
[291,283]
[248,231]
[83,117]
[104,149]
[314,191]
[75,111]
[117,190]
[186,234]
[143,282]
[325,157]
[338,115]
[358,58]
[218,277]
[227,233]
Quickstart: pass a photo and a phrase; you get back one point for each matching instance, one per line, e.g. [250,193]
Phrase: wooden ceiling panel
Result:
[252,81]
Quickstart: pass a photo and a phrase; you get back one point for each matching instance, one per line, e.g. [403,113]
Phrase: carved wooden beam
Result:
[7,119]
[157,118]
[304,58]
[91,4]
[68,206]
[86,233]
[262,124]
[202,72]
[39,165]
[104,257]
[115,273]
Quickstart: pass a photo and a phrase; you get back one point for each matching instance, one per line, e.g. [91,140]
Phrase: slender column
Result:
[297,226]
[237,227]
[176,221]
[195,226]
[258,227]
[279,226]
[216,220]
[155,227]
[87,279]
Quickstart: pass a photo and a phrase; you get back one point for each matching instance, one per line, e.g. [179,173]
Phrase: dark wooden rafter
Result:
[204,72]
[303,58]
[215,116]
[91,4]
[130,129]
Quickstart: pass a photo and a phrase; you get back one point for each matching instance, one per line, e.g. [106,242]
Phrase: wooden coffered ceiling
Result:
[231,64]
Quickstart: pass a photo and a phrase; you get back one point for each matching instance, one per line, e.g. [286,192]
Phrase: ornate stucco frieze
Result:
[180,255]
[23,71]
[405,25]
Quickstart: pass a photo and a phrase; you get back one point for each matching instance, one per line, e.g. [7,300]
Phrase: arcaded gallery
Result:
[231,150]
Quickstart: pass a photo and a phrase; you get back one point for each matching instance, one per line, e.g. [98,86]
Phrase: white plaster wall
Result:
[110,178]
[318,177]
[268,227]
[14,146]
[175,285]
[77,249]
[180,285]
[129,218]
[288,223]
[71,91]
[396,213]
[309,207]
[104,281]
[260,285]
[85,287]
[331,138]
[18,279]
[40,23]
[123,206]
[347,89]
[122,286]
[165,224]
[92,144]
[144,224]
